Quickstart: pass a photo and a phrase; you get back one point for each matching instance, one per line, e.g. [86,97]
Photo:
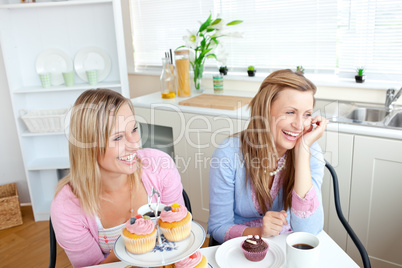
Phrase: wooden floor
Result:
[27,245]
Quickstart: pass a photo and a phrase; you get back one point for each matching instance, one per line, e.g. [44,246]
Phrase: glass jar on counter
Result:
[167,79]
[182,61]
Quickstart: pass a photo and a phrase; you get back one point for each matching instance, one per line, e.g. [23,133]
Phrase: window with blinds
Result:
[324,36]
[370,35]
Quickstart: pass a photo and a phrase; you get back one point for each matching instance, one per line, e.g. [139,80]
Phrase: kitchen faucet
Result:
[391,98]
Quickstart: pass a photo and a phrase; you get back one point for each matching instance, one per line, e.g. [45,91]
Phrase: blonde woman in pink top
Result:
[110,177]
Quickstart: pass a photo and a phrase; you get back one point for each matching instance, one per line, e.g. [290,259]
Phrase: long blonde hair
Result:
[88,138]
[258,146]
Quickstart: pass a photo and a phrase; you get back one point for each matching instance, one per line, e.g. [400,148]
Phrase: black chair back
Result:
[53,246]
[362,250]
[53,242]
[187,202]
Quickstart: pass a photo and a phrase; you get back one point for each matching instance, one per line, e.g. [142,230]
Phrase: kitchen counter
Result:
[155,101]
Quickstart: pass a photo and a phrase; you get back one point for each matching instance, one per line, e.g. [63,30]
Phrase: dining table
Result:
[331,255]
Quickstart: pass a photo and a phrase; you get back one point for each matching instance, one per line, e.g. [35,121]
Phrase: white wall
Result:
[11,166]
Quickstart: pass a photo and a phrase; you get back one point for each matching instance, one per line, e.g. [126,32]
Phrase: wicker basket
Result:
[44,120]
[10,211]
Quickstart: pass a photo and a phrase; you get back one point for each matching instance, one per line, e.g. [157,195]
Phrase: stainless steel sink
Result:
[359,113]
[368,114]
[395,120]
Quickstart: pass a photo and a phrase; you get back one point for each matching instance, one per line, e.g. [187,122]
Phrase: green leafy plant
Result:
[205,44]
[360,71]
[251,70]
[300,69]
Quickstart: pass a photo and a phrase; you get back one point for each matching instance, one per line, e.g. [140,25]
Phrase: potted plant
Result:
[223,70]
[300,69]
[251,70]
[204,42]
[360,77]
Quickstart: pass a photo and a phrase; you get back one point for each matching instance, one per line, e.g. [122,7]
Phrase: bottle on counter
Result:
[167,80]
[182,61]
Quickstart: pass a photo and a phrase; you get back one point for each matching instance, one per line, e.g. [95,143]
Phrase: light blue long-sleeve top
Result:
[230,202]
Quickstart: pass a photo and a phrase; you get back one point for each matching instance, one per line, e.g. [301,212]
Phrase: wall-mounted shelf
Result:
[55,89]
[41,4]
[48,163]
[31,134]
[28,29]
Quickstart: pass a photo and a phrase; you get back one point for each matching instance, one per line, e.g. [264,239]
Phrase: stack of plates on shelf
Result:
[92,58]
[56,62]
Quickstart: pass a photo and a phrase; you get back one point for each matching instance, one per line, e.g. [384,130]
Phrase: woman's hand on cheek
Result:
[311,134]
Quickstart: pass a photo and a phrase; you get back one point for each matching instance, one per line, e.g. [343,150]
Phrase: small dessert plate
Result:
[229,254]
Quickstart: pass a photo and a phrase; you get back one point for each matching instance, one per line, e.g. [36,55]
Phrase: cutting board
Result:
[217,101]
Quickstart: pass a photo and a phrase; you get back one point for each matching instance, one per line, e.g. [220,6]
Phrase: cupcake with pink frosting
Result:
[139,235]
[175,222]
[197,260]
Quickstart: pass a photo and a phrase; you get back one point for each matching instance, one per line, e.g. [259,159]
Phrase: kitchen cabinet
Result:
[369,171]
[28,29]
[375,200]
[338,151]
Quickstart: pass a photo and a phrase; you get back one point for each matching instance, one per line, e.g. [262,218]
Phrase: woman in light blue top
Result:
[267,179]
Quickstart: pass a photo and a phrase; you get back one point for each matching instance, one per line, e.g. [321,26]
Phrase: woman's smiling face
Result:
[290,115]
[124,141]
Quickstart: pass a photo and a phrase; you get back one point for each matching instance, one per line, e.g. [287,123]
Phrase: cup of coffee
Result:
[146,211]
[302,250]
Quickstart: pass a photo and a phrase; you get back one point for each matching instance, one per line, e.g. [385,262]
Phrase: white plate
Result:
[92,58]
[56,62]
[168,253]
[230,254]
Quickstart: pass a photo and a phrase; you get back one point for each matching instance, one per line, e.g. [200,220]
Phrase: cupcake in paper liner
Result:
[254,248]
[139,235]
[175,222]
[196,260]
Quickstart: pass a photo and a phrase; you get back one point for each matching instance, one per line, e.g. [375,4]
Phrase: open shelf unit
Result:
[26,30]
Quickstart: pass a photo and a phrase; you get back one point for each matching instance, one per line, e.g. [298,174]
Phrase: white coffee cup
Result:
[143,210]
[302,258]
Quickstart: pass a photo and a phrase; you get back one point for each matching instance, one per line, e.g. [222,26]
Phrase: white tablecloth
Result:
[331,255]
